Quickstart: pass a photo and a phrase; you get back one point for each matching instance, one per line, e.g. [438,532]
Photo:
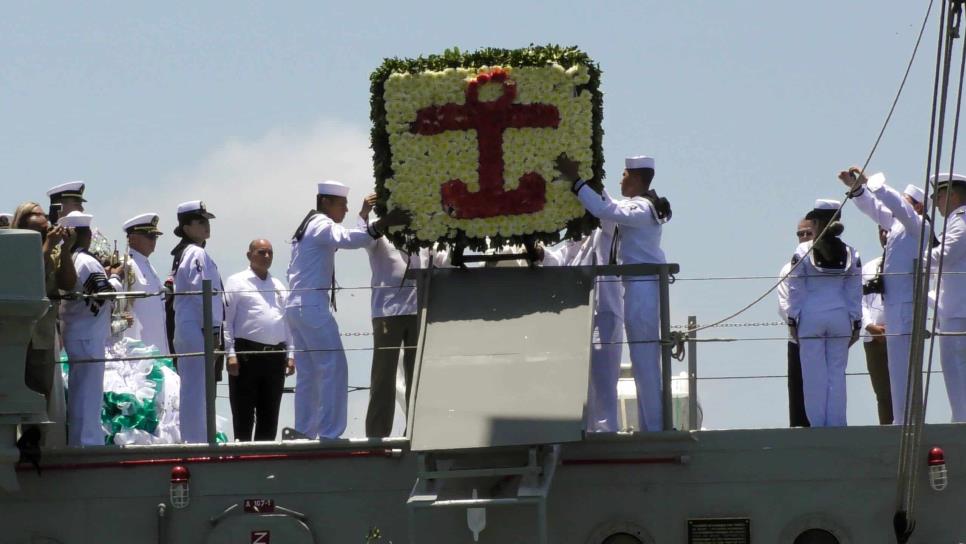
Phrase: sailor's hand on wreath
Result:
[569,170]
[368,204]
[289,367]
[395,217]
[232,365]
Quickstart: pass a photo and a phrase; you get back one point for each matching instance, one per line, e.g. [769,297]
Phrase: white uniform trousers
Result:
[85,393]
[952,353]
[189,338]
[898,320]
[322,377]
[642,324]
[605,368]
[823,365]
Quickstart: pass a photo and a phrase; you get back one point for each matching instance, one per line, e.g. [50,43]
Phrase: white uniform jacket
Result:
[638,224]
[88,319]
[313,259]
[149,320]
[822,290]
[196,265]
[890,211]
[952,247]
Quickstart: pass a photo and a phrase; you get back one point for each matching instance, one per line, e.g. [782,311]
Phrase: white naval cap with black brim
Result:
[945,179]
[71,189]
[193,208]
[146,223]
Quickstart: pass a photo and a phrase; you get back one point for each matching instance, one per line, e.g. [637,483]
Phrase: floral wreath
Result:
[467,143]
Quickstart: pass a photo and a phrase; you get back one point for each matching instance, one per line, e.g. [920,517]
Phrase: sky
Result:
[750,108]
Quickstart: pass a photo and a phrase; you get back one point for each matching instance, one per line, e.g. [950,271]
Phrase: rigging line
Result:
[902,523]
[838,213]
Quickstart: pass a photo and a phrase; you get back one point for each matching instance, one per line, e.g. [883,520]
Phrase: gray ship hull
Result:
[776,483]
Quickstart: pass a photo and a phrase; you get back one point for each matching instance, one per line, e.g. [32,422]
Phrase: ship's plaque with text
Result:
[719,531]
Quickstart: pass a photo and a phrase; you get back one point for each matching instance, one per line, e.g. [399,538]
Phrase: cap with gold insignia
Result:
[942,180]
[194,207]
[333,188]
[146,223]
[638,162]
[71,189]
[76,220]
[6,219]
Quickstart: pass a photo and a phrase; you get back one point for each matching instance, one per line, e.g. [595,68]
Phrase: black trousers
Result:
[394,332]
[796,393]
[256,392]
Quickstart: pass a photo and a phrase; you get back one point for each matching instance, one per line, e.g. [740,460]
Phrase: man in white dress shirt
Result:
[874,329]
[796,392]
[640,218]
[321,387]
[149,319]
[255,322]
[395,327]
[951,203]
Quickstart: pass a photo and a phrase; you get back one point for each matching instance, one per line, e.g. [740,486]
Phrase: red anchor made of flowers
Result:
[489,119]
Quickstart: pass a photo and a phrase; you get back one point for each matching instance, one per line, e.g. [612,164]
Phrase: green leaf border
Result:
[454,58]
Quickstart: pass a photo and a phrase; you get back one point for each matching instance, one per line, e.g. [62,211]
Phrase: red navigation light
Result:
[182,474]
[936,457]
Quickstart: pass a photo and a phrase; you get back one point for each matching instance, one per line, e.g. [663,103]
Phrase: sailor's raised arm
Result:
[893,200]
[865,201]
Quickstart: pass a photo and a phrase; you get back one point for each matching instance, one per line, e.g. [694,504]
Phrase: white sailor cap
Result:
[74,189]
[76,220]
[333,188]
[6,219]
[194,207]
[915,193]
[826,204]
[943,179]
[640,161]
[146,223]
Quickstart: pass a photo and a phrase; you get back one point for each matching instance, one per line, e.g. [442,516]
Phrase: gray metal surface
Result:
[503,359]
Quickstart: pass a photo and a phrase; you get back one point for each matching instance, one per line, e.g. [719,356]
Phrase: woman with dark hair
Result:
[825,313]
[191,266]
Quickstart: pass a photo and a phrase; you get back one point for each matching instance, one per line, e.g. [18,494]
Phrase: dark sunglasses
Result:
[803,233]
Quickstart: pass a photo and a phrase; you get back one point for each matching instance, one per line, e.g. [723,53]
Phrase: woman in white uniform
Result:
[191,266]
[825,314]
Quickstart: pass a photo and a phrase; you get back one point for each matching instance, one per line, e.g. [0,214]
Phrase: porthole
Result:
[619,532]
[816,536]
[622,538]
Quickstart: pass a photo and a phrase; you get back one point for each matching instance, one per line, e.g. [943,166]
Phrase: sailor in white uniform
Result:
[901,215]
[608,334]
[142,239]
[321,385]
[951,202]
[639,218]
[86,325]
[191,266]
[825,314]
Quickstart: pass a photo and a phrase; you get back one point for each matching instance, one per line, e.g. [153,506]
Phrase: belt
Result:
[258,346]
